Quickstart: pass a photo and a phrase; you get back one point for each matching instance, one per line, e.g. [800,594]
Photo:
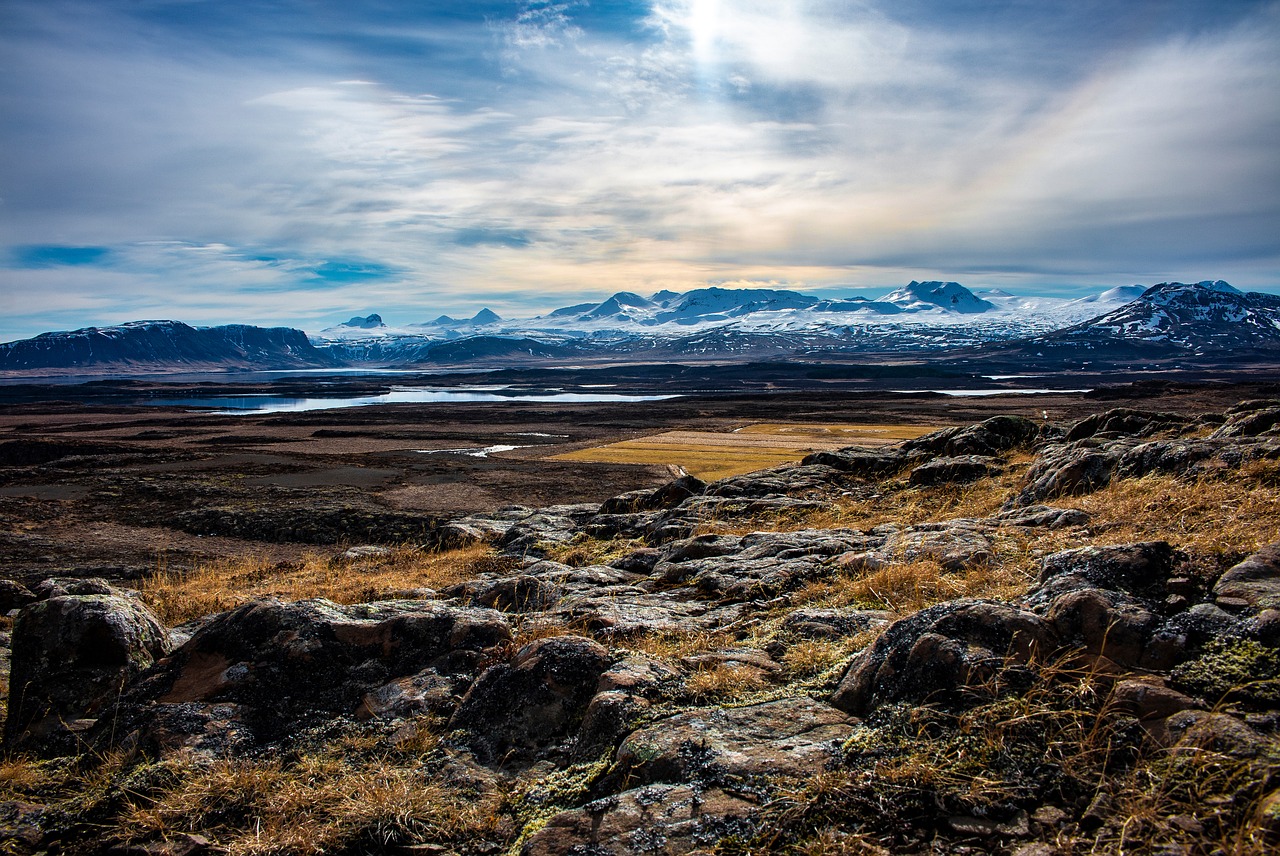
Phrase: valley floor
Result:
[1051,627]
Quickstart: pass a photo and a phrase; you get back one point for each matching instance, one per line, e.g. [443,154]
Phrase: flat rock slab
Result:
[1256,580]
[631,612]
[836,623]
[787,737]
[653,819]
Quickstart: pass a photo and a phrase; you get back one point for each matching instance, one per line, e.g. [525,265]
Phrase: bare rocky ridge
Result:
[529,673]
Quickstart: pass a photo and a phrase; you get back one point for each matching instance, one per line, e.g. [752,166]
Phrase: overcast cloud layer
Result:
[298,162]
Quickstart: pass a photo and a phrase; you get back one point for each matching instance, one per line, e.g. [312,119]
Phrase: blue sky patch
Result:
[492,237]
[346,272]
[52,255]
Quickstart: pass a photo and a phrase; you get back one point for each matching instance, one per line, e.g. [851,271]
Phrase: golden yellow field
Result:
[713,455]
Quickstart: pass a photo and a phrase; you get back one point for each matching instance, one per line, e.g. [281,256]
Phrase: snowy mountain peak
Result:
[1119,294]
[1180,292]
[950,296]
[628,298]
[617,305]
[485,316]
[368,322]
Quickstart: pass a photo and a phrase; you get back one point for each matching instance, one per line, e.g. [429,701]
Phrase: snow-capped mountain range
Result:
[920,316]
[669,315]
[1206,318]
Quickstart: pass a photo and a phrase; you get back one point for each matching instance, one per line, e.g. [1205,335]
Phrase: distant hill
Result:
[1202,317]
[164,346]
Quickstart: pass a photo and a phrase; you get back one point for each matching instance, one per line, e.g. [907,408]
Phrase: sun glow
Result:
[704,25]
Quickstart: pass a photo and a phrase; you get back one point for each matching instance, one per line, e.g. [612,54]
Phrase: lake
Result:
[233,405]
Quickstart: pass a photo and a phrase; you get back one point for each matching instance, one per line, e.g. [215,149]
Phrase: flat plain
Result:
[116,491]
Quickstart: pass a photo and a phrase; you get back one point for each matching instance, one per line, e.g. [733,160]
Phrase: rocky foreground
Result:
[723,668]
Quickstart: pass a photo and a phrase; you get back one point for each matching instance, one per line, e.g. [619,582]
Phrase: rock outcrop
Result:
[268,670]
[73,655]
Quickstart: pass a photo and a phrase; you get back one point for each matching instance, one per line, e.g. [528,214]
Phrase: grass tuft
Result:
[216,587]
[724,680]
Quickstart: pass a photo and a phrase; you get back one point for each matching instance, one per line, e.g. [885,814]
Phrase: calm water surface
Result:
[232,405]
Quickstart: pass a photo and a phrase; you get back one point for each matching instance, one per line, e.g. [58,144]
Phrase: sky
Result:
[298,162]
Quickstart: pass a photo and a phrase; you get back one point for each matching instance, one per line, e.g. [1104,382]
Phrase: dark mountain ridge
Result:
[152,344]
[1201,317]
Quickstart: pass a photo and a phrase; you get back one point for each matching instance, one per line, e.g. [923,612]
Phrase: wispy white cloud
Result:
[520,156]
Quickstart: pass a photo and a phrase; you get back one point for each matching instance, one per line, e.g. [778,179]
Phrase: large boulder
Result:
[624,611]
[1040,516]
[517,593]
[835,623]
[72,656]
[1171,457]
[1069,470]
[1187,633]
[861,462]
[266,671]
[1105,601]
[519,711]
[790,737]
[1124,422]
[1104,624]
[941,652]
[1251,419]
[760,564]
[953,544]
[989,437]
[1142,569]
[784,480]
[669,495]
[14,595]
[955,470]
[555,524]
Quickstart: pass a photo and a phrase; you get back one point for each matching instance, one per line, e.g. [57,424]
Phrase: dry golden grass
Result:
[1232,511]
[844,433]
[533,626]
[673,646]
[711,455]
[724,680]
[814,656]
[316,804]
[177,597]
[1225,515]
[896,502]
[19,775]
[582,550]
[1238,512]
[907,587]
